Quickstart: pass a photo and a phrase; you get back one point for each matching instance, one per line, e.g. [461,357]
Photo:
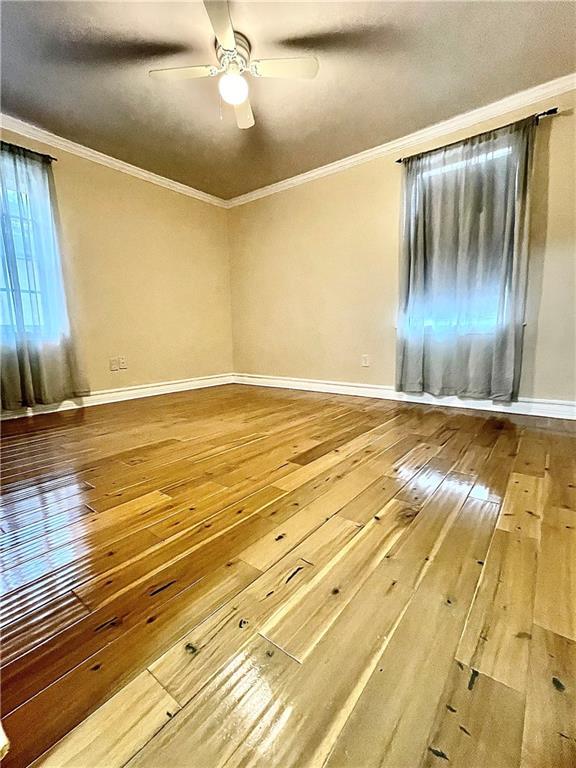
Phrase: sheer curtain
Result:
[38,362]
[464,267]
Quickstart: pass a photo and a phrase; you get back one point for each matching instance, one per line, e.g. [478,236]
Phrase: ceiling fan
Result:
[234,62]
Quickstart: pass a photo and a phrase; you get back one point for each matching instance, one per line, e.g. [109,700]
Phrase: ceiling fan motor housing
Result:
[240,57]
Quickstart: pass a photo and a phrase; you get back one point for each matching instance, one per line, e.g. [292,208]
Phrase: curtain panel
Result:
[465,265]
[39,365]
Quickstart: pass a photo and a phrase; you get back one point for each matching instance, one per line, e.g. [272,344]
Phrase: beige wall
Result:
[309,275]
[147,274]
[315,271]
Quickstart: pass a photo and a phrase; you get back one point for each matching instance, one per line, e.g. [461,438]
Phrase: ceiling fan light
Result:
[233,88]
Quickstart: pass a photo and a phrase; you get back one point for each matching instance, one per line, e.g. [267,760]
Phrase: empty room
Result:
[288,367]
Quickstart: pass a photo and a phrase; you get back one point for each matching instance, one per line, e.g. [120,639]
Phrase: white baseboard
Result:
[103,396]
[555,409]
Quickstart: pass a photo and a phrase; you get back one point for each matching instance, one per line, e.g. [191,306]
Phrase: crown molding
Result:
[39,134]
[465,120]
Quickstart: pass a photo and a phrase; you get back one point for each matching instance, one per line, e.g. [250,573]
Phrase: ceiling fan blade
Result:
[219,15]
[303,67]
[244,115]
[184,73]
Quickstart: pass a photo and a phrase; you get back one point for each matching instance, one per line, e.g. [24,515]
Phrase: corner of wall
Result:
[230,219]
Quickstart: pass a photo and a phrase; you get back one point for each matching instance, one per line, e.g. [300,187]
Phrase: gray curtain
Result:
[464,266]
[38,361]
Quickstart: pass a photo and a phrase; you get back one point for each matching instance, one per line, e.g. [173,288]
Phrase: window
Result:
[38,360]
[464,266]
[31,291]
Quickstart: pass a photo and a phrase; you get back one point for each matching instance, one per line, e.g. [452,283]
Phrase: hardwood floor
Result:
[254,577]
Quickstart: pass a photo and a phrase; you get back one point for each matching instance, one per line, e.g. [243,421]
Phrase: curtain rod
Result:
[547,113]
[32,151]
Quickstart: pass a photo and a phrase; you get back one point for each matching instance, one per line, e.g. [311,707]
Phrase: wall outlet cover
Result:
[114,364]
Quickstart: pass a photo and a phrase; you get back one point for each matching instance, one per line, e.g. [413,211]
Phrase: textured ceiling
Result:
[79,69]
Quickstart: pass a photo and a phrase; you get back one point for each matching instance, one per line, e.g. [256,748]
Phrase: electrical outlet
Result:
[365,361]
[114,364]
[122,362]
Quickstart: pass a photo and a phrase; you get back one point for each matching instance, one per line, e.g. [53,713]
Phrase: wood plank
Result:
[140,502]
[531,456]
[195,551]
[397,734]
[522,506]
[117,730]
[425,482]
[197,510]
[262,693]
[242,694]
[327,446]
[550,722]
[357,450]
[44,519]
[189,665]
[185,668]
[492,480]
[329,538]
[28,675]
[28,631]
[408,465]
[490,431]
[64,703]
[57,499]
[42,486]
[275,544]
[555,604]
[478,723]
[278,541]
[77,561]
[345,479]
[413,553]
[496,639]
[507,444]
[472,460]
[561,485]
[41,585]
[371,500]
[24,545]
[215,507]
[268,460]
[299,624]
[251,714]
[452,443]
